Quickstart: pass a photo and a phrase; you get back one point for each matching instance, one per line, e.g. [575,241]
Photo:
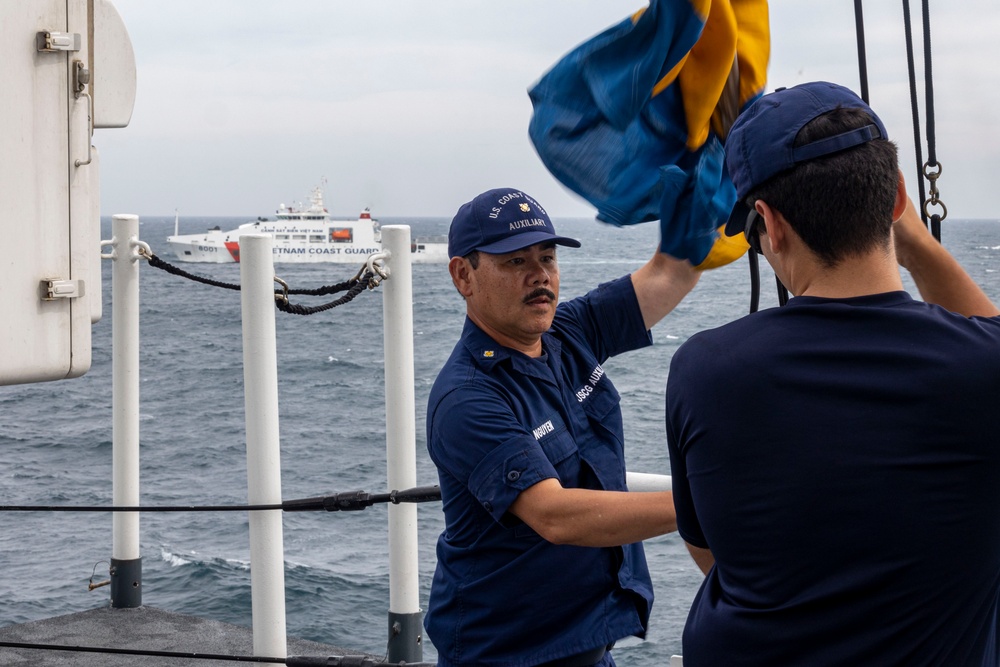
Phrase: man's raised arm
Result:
[939,277]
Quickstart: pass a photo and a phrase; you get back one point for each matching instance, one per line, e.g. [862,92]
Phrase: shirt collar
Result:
[487,353]
[881,299]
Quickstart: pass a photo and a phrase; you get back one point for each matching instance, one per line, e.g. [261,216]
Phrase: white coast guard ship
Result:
[303,235]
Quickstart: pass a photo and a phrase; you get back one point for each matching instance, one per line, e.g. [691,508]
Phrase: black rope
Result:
[930,170]
[158,263]
[350,661]
[782,292]
[859,26]
[148,653]
[346,501]
[358,282]
[353,286]
[914,106]
[932,164]
[754,280]
[929,88]
[755,283]
[291,661]
[296,309]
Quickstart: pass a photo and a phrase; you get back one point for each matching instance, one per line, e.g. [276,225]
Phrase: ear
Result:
[775,226]
[900,204]
[461,275]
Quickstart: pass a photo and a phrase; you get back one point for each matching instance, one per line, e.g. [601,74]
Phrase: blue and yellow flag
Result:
[634,119]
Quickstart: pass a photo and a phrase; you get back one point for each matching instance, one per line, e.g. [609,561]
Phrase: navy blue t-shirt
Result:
[841,459]
[498,422]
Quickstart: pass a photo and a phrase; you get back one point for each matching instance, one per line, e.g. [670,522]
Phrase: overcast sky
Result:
[412,108]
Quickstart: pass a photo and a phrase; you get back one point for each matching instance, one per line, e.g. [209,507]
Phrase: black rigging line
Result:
[932,167]
[914,105]
[147,653]
[291,661]
[346,501]
[754,279]
[929,88]
[859,26]
[353,287]
[157,262]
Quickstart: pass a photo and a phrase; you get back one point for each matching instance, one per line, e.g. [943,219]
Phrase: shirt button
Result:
[488,506]
[513,476]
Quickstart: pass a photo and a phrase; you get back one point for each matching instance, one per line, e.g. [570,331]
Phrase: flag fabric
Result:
[634,119]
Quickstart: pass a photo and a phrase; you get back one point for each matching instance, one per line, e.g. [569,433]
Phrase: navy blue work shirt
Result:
[499,422]
[839,457]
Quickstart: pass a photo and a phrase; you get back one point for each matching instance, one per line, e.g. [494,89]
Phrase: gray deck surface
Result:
[143,628]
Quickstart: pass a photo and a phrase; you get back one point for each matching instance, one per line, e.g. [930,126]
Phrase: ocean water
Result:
[55,440]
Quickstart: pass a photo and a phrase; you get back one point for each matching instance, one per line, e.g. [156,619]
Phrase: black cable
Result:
[345,501]
[291,661]
[754,280]
[859,26]
[158,263]
[138,508]
[932,163]
[148,653]
[350,661]
[352,283]
[914,106]
[929,88]
[295,309]
[782,292]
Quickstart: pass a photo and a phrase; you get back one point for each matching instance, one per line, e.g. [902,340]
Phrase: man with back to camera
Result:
[541,561]
[836,465]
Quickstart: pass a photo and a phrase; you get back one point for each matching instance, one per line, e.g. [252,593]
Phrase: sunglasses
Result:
[751,233]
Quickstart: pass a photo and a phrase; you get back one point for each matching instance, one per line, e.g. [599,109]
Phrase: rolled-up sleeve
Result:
[486,449]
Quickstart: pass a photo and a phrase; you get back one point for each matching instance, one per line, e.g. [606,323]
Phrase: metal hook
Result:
[361,272]
[142,250]
[933,199]
[90,584]
[284,290]
[379,272]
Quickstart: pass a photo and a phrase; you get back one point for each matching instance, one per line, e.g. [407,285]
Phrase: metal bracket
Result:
[50,42]
[81,77]
[62,289]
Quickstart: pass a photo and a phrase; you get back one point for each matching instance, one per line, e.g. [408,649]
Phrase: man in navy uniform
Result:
[541,560]
[835,461]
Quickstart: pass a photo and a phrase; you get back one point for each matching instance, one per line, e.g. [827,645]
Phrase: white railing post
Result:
[126,563]
[405,617]
[645,481]
[260,381]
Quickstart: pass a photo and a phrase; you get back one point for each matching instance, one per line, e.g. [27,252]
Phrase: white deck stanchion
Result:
[260,380]
[126,589]
[405,623]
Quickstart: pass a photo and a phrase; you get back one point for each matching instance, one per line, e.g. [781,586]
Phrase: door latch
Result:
[50,42]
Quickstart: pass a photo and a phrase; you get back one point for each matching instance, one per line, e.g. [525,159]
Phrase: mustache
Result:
[541,291]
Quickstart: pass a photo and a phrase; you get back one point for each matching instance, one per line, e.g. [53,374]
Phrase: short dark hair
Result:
[473,259]
[839,204]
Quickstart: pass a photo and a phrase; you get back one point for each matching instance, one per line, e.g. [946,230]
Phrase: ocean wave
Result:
[173,559]
[180,559]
